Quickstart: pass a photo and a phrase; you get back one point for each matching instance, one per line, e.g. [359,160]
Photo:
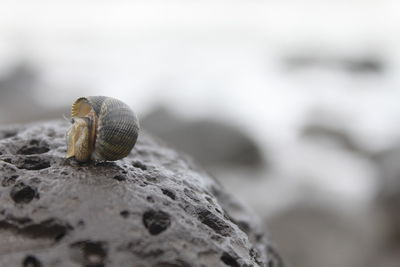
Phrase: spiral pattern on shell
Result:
[114,126]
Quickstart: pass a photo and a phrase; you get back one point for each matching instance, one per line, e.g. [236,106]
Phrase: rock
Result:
[388,203]
[154,208]
[314,234]
[19,83]
[213,143]
[388,198]
[368,63]
[329,133]
[20,86]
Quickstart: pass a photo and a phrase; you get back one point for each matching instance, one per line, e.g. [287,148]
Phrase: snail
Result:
[103,129]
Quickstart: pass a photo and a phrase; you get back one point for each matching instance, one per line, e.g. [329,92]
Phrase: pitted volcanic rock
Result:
[153,208]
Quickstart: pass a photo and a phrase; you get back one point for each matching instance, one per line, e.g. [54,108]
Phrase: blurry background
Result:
[293,105]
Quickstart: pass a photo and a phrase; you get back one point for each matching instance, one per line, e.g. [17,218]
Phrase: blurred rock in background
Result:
[388,200]
[329,131]
[332,236]
[215,144]
[367,63]
[18,96]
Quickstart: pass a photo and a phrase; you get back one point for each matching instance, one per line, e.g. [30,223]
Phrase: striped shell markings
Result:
[103,129]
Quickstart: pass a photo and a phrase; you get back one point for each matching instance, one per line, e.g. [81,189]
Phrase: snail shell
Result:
[103,129]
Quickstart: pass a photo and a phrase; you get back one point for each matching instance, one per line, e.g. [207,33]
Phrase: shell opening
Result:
[78,140]
[81,108]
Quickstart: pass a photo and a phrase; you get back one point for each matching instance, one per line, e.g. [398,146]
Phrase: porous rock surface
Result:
[154,208]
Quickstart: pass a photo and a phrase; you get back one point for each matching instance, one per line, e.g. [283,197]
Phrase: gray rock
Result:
[332,134]
[315,235]
[328,128]
[388,197]
[154,208]
[213,143]
[17,88]
[369,63]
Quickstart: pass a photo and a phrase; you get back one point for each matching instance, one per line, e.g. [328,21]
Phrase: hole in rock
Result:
[229,260]
[22,193]
[169,193]
[33,148]
[209,200]
[214,222]
[150,199]
[51,229]
[34,163]
[8,160]
[138,164]
[119,178]
[124,213]
[31,261]
[156,221]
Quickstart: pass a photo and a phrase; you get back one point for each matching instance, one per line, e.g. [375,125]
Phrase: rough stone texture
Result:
[154,208]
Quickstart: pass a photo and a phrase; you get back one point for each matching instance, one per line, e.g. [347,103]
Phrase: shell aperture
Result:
[103,129]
